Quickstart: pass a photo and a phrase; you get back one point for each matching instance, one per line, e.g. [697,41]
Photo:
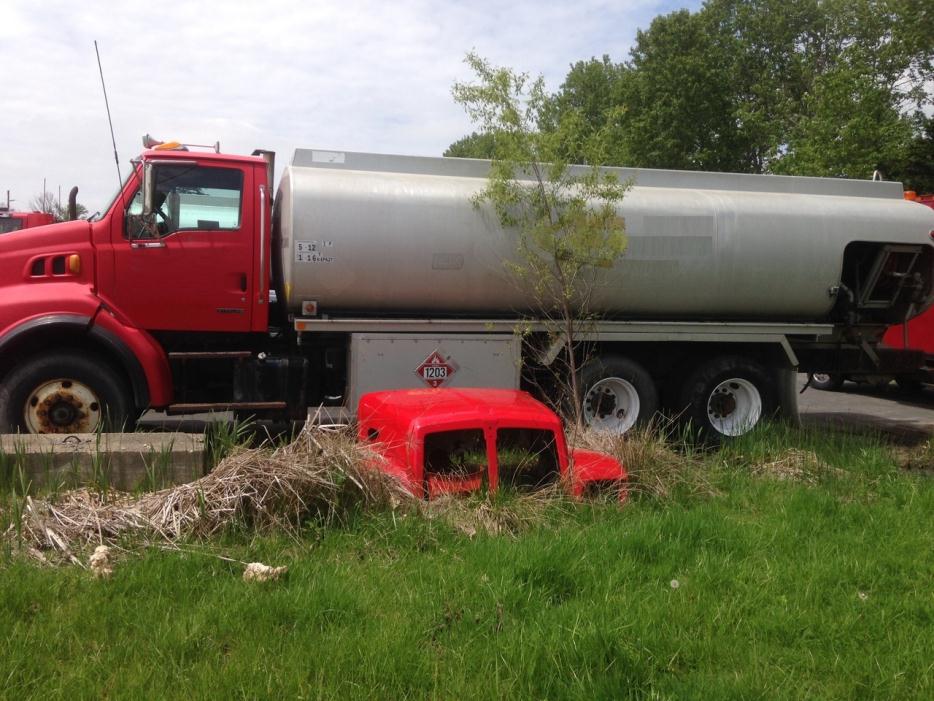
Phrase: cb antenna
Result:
[109,121]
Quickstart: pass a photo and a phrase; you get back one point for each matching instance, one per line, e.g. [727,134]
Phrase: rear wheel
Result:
[728,396]
[64,393]
[826,381]
[618,393]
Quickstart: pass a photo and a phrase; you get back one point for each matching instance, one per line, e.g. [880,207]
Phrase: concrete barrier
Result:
[126,461]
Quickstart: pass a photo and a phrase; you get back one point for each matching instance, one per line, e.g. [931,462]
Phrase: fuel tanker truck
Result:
[196,290]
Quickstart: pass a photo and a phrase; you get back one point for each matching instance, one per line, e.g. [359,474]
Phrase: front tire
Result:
[64,393]
[728,397]
[618,394]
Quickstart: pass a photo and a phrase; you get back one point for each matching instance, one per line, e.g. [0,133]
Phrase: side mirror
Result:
[148,186]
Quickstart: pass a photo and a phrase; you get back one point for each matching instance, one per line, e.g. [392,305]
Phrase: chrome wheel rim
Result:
[611,405]
[62,406]
[734,406]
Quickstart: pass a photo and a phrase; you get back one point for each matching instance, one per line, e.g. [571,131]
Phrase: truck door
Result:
[190,268]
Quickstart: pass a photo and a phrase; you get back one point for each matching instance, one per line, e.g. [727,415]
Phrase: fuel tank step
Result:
[208,355]
[222,406]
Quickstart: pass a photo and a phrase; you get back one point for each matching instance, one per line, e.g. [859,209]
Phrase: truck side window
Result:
[133,225]
[190,197]
[8,224]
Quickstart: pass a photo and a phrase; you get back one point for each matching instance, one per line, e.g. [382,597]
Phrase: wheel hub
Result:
[62,406]
[611,405]
[734,406]
[605,405]
[722,403]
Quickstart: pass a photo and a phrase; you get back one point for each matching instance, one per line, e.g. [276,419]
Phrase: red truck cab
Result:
[15,221]
[448,441]
[94,311]
[194,249]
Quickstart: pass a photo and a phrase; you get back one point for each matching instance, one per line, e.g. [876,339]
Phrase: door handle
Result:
[148,244]
[243,282]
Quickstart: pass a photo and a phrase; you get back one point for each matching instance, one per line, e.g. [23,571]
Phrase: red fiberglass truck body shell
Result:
[423,435]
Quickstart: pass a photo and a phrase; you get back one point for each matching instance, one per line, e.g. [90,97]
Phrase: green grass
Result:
[784,590]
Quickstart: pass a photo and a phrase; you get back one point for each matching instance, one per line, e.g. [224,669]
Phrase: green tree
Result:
[679,105]
[824,87]
[565,219]
[917,170]
[46,202]
[473,146]
[862,85]
[807,87]
[595,91]
[849,128]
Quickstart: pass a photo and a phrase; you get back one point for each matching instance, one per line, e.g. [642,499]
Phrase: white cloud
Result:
[358,75]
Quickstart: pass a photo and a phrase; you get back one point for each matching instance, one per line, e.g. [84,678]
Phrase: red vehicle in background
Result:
[917,334]
[14,221]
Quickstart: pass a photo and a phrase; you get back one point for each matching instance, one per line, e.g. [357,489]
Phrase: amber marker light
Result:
[74,264]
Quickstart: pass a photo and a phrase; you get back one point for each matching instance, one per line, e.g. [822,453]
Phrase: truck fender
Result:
[142,356]
[139,355]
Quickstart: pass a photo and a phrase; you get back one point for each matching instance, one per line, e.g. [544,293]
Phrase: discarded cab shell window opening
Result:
[527,457]
[452,453]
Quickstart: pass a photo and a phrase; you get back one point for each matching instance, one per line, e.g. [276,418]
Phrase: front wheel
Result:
[64,393]
[728,396]
[618,393]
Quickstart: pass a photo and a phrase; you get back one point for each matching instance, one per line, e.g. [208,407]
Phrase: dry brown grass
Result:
[919,458]
[324,471]
[793,465]
[656,468]
[493,515]
[661,464]
[319,473]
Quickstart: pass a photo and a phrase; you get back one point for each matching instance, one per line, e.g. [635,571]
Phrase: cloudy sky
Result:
[356,75]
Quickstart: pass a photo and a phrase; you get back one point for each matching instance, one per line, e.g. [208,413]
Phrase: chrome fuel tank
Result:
[397,235]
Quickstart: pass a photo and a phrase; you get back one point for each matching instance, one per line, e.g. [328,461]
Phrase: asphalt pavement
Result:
[908,416]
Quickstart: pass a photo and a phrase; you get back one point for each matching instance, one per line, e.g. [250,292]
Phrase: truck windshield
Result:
[113,199]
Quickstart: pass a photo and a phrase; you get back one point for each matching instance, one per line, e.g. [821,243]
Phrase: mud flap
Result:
[786,390]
